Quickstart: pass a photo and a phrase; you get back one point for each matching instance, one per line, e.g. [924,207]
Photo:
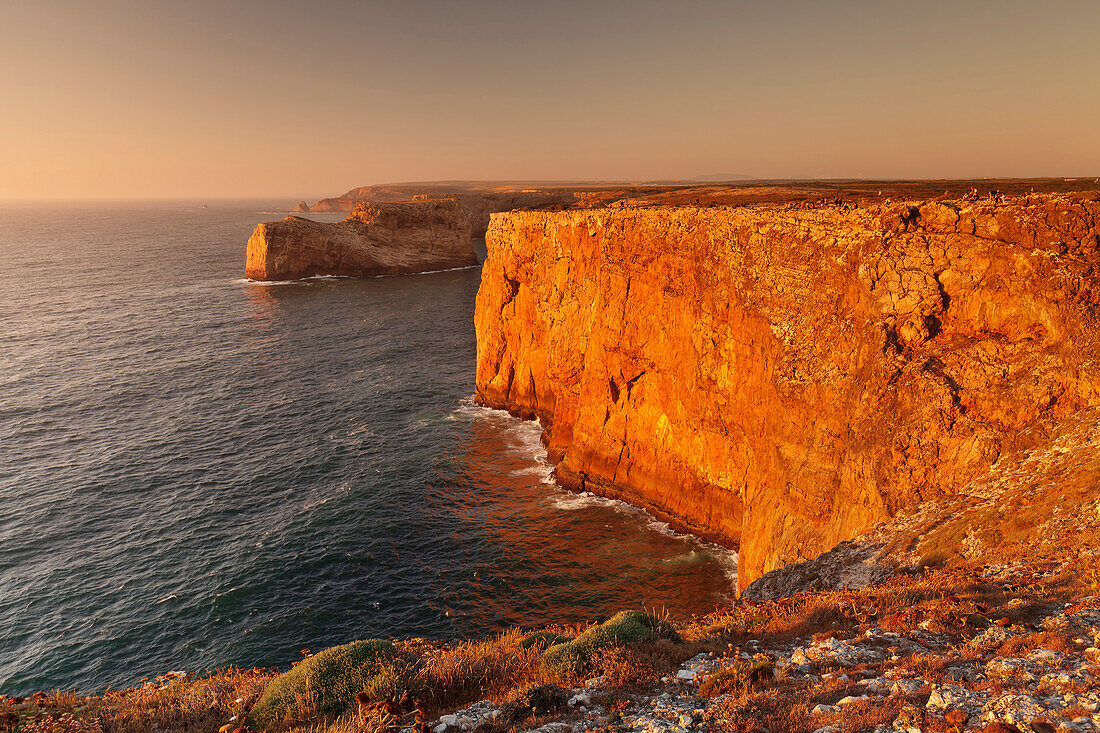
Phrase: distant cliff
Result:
[782,380]
[478,204]
[376,239]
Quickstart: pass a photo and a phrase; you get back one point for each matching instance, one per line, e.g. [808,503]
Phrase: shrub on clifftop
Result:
[540,640]
[324,684]
[572,658]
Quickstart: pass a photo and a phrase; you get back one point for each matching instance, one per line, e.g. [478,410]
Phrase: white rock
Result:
[583,699]
[685,674]
[822,709]
[850,699]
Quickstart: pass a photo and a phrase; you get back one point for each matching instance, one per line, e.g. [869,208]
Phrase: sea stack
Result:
[375,239]
[783,380]
[302,207]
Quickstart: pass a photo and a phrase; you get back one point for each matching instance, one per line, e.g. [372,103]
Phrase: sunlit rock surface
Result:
[375,239]
[779,379]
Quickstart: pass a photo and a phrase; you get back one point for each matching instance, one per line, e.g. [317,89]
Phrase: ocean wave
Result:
[569,501]
[527,440]
[433,272]
[301,280]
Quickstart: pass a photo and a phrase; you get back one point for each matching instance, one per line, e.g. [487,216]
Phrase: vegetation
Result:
[569,659]
[327,683]
[379,687]
[542,640]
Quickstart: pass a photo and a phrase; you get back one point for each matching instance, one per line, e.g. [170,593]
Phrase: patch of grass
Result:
[475,670]
[1020,646]
[570,659]
[738,679]
[327,682]
[541,640]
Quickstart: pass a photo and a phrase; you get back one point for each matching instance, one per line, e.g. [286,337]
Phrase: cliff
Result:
[375,239]
[782,380]
[477,204]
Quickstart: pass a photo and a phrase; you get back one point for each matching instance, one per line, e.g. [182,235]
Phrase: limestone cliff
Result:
[781,380]
[375,239]
[477,204]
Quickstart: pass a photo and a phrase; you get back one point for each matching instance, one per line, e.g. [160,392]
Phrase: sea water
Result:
[198,471]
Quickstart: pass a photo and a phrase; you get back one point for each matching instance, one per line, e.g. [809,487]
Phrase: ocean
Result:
[197,471]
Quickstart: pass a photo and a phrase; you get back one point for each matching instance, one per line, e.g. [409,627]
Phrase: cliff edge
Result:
[781,380]
[375,239]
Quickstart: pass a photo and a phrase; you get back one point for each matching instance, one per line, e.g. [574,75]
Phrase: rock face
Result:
[302,207]
[781,380]
[376,239]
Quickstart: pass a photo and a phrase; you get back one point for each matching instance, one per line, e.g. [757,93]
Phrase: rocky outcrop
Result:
[782,380]
[376,239]
[302,207]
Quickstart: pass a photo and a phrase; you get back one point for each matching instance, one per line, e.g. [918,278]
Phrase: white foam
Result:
[301,280]
[526,438]
[432,272]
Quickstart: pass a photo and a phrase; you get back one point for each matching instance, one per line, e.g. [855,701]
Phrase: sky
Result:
[199,99]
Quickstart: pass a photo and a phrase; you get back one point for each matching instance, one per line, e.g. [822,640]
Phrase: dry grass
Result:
[186,707]
[441,678]
[1021,646]
[472,671]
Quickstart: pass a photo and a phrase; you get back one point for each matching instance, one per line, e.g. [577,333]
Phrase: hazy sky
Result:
[302,99]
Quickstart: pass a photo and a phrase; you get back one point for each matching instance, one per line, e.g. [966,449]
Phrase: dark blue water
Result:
[197,471]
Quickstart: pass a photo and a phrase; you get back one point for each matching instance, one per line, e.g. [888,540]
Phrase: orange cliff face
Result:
[782,380]
[375,239]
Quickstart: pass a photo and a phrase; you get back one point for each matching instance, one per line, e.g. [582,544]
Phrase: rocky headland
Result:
[891,408]
[782,378]
[478,202]
[375,239]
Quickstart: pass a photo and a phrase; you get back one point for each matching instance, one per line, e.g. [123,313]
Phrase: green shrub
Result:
[542,639]
[326,683]
[572,658]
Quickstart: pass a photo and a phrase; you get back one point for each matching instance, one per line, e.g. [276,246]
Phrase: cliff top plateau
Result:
[586,195]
